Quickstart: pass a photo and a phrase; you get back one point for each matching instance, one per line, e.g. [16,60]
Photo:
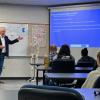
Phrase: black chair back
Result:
[63,66]
[48,93]
[85,64]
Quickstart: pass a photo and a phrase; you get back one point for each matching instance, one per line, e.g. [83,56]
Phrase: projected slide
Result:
[79,28]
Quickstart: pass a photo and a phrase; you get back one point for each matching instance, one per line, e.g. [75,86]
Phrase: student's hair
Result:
[98,56]
[53,48]
[64,51]
[84,52]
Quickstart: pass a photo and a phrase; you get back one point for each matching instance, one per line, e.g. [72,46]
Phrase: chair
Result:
[85,64]
[31,92]
[63,66]
[97,83]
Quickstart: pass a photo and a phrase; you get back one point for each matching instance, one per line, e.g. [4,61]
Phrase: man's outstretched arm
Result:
[15,40]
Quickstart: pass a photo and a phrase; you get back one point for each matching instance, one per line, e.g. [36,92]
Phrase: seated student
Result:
[64,53]
[65,58]
[93,75]
[86,59]
[65,62]
[53,52]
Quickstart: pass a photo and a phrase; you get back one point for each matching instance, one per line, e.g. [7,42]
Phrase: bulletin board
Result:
[40,31]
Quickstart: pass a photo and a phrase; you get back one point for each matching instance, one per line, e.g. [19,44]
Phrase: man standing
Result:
[4,46]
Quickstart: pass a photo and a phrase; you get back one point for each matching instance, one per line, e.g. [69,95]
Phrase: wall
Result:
[17,67]
[23,14]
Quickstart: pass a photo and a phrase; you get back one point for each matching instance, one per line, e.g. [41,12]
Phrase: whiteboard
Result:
[13,31]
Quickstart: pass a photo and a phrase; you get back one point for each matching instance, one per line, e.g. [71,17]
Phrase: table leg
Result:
[43,77]
[37,77]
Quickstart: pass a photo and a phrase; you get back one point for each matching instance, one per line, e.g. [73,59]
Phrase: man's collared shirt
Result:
[3,44]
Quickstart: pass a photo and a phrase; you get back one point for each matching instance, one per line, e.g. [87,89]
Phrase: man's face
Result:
[2,31]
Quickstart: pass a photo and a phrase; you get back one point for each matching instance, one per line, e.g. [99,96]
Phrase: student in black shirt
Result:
[86,59]
[64,53]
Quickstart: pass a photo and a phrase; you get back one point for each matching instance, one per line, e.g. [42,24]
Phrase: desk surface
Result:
[66,75]
[37,64]
[88,94]
[84,68]
[40,67]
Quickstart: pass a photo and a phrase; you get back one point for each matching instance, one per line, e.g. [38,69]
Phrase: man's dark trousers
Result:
[1,62]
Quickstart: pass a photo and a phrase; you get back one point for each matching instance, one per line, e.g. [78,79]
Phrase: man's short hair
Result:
[84,52]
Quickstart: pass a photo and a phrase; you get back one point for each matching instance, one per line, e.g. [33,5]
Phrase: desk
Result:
[41,68]
[38,67]
[83,69]
[35,65]
[78,76]
[88,93]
